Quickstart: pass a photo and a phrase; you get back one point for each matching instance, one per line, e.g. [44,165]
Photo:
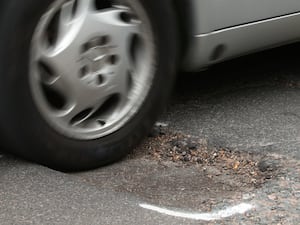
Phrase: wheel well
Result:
[185,23]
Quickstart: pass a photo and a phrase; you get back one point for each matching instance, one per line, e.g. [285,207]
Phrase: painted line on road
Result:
[217,215]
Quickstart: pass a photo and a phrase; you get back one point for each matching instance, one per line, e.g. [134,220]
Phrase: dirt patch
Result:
[177,170]
[245,168]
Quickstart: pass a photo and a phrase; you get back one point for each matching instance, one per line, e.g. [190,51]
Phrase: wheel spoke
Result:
[80,110]
[118,84]
[84,7]
[112,19]
[57,59]
[65,17]
[57,84]
[53,60]
[90,100]
[75,114]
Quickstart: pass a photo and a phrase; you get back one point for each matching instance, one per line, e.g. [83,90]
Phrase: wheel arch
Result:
[186,23]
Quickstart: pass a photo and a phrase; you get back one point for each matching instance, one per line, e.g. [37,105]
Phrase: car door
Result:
[224,29]
[218,14]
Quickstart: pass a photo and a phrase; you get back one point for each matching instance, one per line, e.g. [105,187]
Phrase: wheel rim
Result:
[92,65]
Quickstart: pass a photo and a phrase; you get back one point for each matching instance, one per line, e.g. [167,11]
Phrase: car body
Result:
[83,81]
[221,30]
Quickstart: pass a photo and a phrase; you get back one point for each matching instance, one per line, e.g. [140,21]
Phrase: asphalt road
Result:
[250,105]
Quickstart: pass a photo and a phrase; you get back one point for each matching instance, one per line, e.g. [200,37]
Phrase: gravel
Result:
[245,167]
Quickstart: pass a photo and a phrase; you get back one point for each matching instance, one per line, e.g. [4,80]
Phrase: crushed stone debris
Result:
[184,150]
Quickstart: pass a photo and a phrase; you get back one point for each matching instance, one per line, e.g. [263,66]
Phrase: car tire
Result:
[29,133]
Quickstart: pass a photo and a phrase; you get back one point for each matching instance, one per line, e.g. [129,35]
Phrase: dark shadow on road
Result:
[250,103]
[280,65]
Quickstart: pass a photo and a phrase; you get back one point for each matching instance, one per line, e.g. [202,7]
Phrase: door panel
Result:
[241,40]
[212,15]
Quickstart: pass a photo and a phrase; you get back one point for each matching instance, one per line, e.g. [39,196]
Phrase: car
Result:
[83,81]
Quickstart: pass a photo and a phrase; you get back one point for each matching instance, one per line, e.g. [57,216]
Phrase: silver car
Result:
[83,81]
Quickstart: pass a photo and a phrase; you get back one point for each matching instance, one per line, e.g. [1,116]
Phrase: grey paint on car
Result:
[221,30]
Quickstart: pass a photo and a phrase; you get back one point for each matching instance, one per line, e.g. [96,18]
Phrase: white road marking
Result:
[217,215]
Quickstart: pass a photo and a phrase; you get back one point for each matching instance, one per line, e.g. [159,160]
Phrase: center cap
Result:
[96,58]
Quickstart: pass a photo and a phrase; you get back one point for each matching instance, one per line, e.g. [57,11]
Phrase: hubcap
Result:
[92,65]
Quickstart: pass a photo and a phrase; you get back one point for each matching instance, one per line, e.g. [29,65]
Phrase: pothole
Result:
[182,150]
[182,171]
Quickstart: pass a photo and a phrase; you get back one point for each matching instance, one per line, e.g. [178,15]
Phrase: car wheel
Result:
[83,81]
